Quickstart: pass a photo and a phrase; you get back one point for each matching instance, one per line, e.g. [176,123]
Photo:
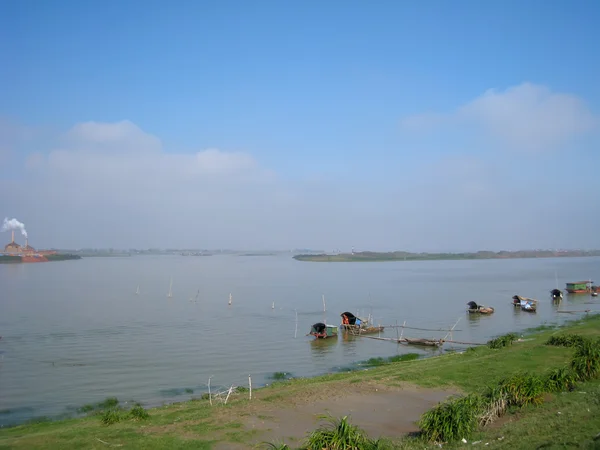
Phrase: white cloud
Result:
[123,136]
[523,117]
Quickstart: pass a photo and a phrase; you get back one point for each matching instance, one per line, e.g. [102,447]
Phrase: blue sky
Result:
[371,117]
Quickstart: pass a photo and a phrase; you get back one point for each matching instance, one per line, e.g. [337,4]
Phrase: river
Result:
[75,332]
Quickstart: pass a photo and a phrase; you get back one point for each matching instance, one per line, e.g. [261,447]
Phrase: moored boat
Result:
[557,294]
[322,331]
[357,326]
[420,341]
[581,287]
[474,308]
[526,304]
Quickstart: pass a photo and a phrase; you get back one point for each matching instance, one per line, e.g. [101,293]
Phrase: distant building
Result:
[13,248]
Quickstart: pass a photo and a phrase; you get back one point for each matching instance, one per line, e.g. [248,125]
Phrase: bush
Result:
[586,361]
[566,340]
[453,419]
[138,413]
[110,416]
[495,404]
[523,389]
[341,435]
[560,380]
[503,341]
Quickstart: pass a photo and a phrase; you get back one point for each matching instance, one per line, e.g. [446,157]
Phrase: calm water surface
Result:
[74,332]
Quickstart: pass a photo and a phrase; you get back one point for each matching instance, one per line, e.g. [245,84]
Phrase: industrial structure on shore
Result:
[13,250]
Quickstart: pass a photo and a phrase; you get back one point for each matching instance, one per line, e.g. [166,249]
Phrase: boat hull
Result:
[481,310]
[357,331]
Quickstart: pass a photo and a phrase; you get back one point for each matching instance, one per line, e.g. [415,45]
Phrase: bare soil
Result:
[381,411]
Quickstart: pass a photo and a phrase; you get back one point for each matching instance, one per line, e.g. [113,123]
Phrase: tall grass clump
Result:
[495,405]
[138,413]
[271,446]
[503,341]
[111,416]
[566,340]
[523,389]
[339,434]
[586,361]
[560,379]
[453,419]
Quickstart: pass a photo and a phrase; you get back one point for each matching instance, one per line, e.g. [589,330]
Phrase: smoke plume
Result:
[14,224]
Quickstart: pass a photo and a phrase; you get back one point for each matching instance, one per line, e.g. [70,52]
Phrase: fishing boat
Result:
[322,331]
[525,303]
[357,326]
[557,295]
[581,287]
[424,342]
[474,308]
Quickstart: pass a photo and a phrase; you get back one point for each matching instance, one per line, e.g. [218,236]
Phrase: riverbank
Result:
[384,400]
[44,257]
[407,256]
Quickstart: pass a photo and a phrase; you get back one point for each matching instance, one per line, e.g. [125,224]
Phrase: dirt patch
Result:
[378,410]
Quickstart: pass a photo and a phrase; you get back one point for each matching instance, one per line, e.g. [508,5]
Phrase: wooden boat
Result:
[322,331]
[581,287]
[474,308]
[557,295]
[525,303]
[357,326]
[420,341]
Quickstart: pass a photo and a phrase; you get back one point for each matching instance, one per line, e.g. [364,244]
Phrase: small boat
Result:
[322,331]
[557,295]
[357,326]
[474,308]
[419,341]
[594,294]
[525,303]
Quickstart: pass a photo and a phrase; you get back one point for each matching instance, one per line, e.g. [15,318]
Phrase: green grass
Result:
[482,370]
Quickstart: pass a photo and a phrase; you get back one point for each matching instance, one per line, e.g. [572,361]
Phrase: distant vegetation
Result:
[407,256]
[7,259]
[62,257]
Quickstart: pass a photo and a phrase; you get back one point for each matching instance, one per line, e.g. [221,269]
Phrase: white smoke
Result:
[14,224]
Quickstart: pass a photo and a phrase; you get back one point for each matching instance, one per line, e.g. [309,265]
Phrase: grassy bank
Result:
[407,256]
[564,419]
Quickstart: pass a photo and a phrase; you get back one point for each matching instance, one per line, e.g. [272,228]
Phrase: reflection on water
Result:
[76,332]
[320,348]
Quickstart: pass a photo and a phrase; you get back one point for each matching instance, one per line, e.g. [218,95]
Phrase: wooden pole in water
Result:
[450,332]
[296,332]
[324,307]
[401,334]
[398,335]
[250,384]
[209,394]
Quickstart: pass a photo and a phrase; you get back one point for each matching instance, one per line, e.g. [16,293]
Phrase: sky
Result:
[418,126]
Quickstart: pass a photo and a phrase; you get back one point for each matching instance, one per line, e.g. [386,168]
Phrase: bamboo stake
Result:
[209,394]
[296,332]
[397,330]
[324,307]
[250,384]
[403,326]
[450,332]
[421,329]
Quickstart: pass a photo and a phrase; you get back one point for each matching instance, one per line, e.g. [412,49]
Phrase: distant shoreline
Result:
[407,256]
[37,259]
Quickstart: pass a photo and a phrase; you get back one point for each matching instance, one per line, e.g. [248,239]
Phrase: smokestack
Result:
[13,236]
